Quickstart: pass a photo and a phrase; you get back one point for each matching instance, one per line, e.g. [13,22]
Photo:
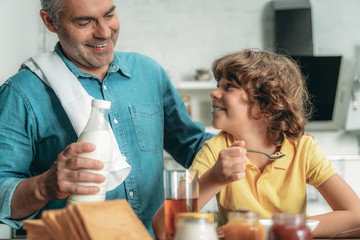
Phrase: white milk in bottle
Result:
[97,132]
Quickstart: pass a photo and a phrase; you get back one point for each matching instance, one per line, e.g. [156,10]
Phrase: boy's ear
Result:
[49,23]
[257,113]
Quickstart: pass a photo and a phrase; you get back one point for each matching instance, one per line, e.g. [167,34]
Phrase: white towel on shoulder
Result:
[76,102]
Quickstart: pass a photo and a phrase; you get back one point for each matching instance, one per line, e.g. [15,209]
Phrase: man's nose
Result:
[102,30]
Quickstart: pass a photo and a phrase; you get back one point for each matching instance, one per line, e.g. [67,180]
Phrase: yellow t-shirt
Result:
[281,187]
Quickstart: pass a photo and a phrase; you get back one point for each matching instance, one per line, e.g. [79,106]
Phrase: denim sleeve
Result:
[183,137]
[15,147]
[7,188]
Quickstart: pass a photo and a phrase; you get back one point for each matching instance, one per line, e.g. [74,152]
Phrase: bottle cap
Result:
[101,103]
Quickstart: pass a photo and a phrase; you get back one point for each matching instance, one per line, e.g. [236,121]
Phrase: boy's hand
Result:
[230,165]
[220,232]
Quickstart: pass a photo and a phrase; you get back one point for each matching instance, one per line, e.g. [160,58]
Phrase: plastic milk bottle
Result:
[97,132]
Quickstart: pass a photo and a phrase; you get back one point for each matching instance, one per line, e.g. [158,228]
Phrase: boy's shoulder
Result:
[221,140]
[307,139]
[304,142]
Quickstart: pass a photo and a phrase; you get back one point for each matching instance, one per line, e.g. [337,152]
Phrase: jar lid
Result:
[243,215]
[101,103]
[294,219]
[195,215]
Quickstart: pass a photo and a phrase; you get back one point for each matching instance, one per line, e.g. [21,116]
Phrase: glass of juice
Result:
[181,188]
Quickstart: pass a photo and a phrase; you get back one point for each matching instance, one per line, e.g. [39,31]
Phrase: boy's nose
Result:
[215,94]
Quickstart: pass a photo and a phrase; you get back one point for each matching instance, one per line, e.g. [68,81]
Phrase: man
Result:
[38,150]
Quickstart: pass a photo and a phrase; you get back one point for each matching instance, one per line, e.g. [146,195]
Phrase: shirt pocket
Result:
[148,126]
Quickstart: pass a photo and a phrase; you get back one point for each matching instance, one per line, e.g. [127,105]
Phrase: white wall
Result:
[185,35]
[21,35]
[335,28]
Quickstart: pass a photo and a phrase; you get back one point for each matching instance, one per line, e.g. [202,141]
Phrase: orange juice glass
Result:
[181,189]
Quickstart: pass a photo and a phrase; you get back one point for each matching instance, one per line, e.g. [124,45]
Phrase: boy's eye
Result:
[229,85]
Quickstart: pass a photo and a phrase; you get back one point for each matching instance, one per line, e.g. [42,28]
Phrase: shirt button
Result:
[131,193]
[105,87]
[116,121]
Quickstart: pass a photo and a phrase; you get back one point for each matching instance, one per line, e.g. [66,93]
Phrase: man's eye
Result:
[110,15]
[84,23]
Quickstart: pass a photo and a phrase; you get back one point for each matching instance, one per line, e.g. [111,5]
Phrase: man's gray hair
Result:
[53,8]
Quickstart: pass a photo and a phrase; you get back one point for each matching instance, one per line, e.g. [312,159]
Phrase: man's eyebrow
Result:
[110,10]
[85,18]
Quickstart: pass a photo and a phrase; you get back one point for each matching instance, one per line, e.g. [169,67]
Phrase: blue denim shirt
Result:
[147,115]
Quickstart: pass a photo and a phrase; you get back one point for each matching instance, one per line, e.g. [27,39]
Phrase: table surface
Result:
[348,238]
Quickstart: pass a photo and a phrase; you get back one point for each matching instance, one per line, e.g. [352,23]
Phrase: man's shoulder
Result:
[25,85]
[24,77]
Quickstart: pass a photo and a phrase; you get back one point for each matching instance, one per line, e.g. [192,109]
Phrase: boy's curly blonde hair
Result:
[275,83]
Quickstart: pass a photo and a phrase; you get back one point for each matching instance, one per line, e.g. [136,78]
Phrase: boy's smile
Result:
[216,108]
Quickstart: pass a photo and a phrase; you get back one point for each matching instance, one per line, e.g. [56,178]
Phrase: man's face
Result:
[88,32]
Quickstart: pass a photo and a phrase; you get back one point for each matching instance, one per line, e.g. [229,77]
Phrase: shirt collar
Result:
[288,149]
[117,64]
[284,162]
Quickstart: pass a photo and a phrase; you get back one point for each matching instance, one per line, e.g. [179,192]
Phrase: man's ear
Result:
[49,23]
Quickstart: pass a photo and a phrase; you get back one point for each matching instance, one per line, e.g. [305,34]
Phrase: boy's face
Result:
[230,107]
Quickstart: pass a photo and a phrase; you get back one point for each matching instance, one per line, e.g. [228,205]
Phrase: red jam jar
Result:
[290,227]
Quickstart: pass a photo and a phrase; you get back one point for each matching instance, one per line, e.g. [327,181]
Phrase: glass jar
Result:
[192,225]
[290,227]
[243,225]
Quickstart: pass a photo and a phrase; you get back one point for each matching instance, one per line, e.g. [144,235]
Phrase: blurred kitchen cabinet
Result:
[197,94]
